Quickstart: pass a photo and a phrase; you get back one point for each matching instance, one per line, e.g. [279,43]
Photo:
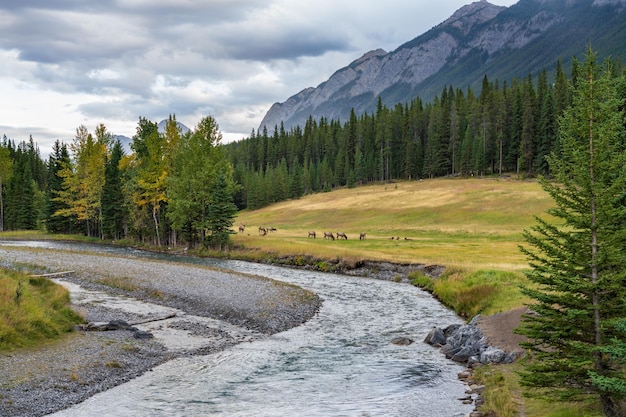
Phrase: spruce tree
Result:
[578,273]
[221,212]
[56,223]
[113,209]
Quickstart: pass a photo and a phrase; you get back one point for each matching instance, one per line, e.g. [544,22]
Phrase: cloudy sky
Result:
[66,63]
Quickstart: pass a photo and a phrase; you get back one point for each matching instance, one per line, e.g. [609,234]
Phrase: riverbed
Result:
[341,362]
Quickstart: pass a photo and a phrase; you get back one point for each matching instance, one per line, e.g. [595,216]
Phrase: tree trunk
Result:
[156,225]
[1,210]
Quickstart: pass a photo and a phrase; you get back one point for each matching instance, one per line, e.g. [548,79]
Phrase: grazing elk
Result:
[242,227]
[311,234]
[271,229]
[342,235]
[329,235]
[362,236]
[262,231]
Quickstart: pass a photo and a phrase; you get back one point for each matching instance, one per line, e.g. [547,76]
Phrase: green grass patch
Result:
[32,310]
[470,293]
[505,396]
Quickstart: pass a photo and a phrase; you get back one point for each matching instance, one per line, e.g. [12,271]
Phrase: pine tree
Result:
[113,208]
[22,211]
[6,172]
[579,264]
[221,212]
[59,158]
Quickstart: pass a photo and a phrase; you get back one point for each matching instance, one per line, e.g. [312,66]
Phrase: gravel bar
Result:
[221,307]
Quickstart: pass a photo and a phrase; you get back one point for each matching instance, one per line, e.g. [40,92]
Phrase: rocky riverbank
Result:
[207,310]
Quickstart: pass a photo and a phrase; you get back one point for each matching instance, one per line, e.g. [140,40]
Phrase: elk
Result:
[342,235]
[362,236]
[329,235]
[242,227]
[271,229]
[311,234]
[262,231]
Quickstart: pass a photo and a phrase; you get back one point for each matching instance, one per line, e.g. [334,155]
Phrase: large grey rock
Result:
[436,337]
[467,344]
[492,355]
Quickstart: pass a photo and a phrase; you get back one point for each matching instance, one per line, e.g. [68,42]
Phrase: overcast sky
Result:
[66,63]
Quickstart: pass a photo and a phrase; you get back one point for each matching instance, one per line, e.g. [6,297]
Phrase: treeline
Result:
[179,188]
[507,128]
[172,189]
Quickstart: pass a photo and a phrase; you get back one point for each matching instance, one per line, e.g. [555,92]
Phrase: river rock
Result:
[466,344]
[141,334]
[402,341]
[110,325]
[492,355]
[436,337]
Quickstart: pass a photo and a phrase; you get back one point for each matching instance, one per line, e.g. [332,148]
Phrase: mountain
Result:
[126,141]
[478,39]
[183,129]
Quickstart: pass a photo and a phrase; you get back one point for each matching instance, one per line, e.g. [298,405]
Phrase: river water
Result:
[340,363]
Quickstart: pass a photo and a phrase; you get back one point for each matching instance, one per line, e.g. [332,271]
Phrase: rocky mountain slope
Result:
[477,40]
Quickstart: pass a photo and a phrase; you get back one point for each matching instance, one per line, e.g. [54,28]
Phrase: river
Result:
[339,363]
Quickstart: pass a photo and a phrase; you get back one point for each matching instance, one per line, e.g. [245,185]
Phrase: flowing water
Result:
[340,363]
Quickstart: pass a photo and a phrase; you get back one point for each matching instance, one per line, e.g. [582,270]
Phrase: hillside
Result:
[475,223]
[479,39]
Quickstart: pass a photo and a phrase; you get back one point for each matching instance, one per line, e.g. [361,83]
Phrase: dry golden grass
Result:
[468,223]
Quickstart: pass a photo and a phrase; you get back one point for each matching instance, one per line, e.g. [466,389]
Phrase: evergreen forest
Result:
[185,189]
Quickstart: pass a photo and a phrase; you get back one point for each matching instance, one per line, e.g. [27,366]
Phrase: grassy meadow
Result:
[465,223]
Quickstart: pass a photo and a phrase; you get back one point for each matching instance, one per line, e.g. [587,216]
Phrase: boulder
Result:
[467,344]
[436,337]
[492,355]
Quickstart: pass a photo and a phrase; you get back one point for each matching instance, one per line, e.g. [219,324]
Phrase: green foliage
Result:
[472,293]
[467,297]
[418,279]
[114,213]
[221,212]
[32,310]
[201,187]
[57,223]
[499,395]
[80,194]
[579,266]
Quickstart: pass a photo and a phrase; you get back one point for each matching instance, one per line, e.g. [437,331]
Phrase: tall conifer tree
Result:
[579,264]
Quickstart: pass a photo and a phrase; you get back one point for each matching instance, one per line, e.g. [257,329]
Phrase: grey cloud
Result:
[286,45]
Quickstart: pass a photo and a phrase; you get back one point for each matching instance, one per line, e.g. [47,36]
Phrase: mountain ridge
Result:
[478,39]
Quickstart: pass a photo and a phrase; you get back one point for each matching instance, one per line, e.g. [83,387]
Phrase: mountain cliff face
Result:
[477,40]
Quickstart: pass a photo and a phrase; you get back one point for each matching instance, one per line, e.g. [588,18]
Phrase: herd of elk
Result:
[327,235]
